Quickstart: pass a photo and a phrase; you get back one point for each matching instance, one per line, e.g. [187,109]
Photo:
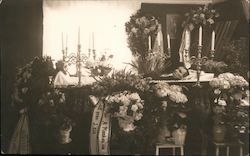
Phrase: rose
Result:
[215,83]
[239,81]
[222,102]
[224,84]
[211,21]
[138,116]
[175,88]
[178,97]
[134,97]
[226,76]
[217,91]
[125,100]
[134,108]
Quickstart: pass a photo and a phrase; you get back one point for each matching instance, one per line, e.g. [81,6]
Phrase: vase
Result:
[64,135]
[179,136]
[163,134]
[219,132]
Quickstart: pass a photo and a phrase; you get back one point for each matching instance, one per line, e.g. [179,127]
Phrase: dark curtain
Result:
[21,29]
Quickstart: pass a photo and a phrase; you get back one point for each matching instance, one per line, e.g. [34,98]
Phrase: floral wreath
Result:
[138,28]
[121,91]
[32,81]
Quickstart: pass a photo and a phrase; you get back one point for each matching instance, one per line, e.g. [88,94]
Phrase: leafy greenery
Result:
[217,67]
[236,55]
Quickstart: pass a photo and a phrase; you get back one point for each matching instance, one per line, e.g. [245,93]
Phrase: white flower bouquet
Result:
[127,107]
[231,101]
[172,92]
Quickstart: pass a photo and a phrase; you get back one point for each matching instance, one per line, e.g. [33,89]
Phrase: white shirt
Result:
[62,79]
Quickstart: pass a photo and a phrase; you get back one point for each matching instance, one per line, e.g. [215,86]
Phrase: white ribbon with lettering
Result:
[100,128]
[104,133]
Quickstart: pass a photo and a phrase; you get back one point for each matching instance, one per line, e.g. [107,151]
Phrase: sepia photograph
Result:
[125,77]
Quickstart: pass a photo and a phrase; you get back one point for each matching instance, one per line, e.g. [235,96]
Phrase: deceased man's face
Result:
[180,73]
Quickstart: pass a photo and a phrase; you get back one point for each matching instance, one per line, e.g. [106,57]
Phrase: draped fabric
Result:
[158,44]
[157,51]
[20,141]
[184,51]
[100,132]
[100,20]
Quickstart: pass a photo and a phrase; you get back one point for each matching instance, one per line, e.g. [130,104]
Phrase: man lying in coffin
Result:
[182,73]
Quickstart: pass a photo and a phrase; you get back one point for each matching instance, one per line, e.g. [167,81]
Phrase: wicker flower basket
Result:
[64,135]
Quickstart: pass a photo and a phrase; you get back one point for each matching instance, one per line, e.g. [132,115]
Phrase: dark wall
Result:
[233,10]
[21,26]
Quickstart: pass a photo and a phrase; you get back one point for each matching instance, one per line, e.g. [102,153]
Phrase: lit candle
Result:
[168,38]
[159,38]
[187,40]
[66,40]
[79,36]
[62,42]
[66,44]
[213,40]
[149,42]
[200,36]
[93,40]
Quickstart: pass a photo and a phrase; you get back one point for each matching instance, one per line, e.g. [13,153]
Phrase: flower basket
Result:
[64,135]
[179,136]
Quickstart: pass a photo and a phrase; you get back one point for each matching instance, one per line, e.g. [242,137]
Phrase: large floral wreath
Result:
[138,28]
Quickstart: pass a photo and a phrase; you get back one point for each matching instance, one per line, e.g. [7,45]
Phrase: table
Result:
[169,145]
[228,145]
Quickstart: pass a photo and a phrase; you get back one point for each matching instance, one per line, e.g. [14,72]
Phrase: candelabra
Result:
[186,54]
[168,53]
[78,59]
[198,61]
[212,52]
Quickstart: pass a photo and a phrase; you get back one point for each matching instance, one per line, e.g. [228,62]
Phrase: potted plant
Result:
[53,115]
[64,130]
[231,105]
[173,105]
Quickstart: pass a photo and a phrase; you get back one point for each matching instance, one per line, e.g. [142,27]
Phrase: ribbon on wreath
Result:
[20,141]
[100,131]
